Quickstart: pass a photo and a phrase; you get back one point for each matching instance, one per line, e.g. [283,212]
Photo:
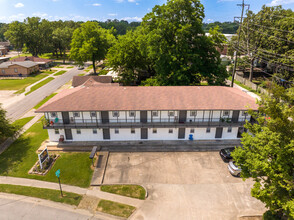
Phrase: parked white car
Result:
[234,169]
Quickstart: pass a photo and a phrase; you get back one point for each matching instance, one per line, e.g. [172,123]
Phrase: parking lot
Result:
[185,185]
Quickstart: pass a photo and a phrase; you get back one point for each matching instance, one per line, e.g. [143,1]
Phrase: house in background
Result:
[117,113]
[43,63]
[3,51]
[102,80]
[11,69]
[6,45]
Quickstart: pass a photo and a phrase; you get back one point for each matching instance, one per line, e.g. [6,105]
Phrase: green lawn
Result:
[244,87]
[20,84]
[40,84]
[133,191]
[45,100]
[60,73]
[20,157]
[49,194]
[23,121]
[115,208]
[69,67]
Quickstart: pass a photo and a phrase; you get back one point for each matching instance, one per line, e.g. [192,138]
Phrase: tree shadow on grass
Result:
[15,156]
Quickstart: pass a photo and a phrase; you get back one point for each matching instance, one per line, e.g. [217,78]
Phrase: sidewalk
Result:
[74,189]
[253,95]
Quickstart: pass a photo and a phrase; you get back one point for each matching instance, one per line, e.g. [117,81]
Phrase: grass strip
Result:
[115,208]
[60,73]
[69,67]
[20,157]
[45,100]
[133,191]
[40,84]
[244,86]
[48,194]
[22,122]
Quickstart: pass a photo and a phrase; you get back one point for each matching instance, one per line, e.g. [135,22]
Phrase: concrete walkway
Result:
[253,95]
[95,191]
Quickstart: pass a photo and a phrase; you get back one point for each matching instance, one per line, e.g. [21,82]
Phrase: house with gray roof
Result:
[10,69]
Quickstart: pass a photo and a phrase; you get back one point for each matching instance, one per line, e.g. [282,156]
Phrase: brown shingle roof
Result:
[80,80]
[34,59]
[149,98]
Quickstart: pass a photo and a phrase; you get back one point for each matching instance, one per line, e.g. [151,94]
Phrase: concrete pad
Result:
[99,170]
[184,185]
[89,203]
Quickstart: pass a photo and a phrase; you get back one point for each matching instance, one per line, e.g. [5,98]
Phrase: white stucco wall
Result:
[162,134]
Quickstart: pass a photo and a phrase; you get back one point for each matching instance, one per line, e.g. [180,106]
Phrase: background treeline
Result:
[267,44]
[224,27]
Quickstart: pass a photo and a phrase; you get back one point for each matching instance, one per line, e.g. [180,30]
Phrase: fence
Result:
[252,85]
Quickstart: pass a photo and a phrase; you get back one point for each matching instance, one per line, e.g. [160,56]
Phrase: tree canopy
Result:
[6,128]
[173,47]
[267,153]
[90,42]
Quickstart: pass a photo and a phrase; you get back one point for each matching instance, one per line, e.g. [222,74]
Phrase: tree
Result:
[62,39]
[16,34]
[267,153]
[90,42]
[6,129]
[182,54]
[128,56]
[3,29]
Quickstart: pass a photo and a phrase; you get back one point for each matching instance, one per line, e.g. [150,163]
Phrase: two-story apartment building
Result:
[147,113]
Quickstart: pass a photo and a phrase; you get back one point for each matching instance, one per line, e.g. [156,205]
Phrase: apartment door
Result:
[65,117]
[181,133]
[105,117]
[183,116]
[106,134]
[68,134]
[235,117]
[219,132]
[144,133]
[143,116]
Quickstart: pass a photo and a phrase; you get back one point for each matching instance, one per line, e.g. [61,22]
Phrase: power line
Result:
[291,32]
[271,35]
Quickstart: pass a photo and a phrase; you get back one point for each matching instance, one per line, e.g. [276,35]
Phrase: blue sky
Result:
[131,10]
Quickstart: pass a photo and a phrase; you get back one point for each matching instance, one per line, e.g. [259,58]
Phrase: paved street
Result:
[18,109]
[20,207]
[181,185]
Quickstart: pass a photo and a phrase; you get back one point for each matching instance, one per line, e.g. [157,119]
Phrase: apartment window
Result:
[226,113]
[170,131]
[154,131]
[53,114]
[3,71]
[94,131]
[192,130]
[116,131]
[133,131]
[15,70]
[79,131]
[56,131]
[132,113]
[207,130]
[76,114]
[155,113]
[171,114]
[115,114]
[193,113]
[93,114]
[229,129]
[244,113]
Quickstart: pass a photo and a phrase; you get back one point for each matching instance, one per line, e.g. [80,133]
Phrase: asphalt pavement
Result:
[18,109]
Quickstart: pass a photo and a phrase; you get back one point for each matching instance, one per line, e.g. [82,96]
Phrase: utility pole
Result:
[238,44]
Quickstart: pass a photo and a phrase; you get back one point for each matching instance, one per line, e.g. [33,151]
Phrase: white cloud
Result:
[131,18]
[119,1]
[209,20]
[19,5]
[280,2]
[8,19]
[112,14]
[96,4]
[39,14]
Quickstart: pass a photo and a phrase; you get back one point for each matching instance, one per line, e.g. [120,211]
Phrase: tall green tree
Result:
[3,29]
[267,153]
[16,34]
[90,42]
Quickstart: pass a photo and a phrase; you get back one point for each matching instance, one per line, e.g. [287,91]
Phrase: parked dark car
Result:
[226,153]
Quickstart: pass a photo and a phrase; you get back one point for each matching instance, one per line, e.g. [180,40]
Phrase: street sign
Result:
[57,173]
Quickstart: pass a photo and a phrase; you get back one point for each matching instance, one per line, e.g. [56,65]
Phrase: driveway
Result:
[194,185]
